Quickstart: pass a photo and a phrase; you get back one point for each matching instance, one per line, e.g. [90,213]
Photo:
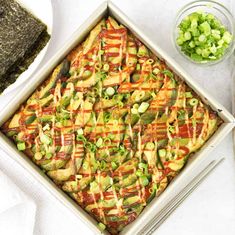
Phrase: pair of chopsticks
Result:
[178,199]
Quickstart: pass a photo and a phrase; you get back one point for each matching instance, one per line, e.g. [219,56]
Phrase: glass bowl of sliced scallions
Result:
[204,32]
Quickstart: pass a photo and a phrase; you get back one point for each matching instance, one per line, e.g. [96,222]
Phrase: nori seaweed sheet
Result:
[22,37]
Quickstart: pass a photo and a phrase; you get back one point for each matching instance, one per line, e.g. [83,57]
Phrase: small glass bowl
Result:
[220,12]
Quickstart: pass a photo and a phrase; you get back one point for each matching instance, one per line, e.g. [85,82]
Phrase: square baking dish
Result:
[197,162]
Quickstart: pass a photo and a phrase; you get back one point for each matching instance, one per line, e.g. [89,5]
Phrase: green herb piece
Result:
[171,129]
[90,146]
[81,138]
[156,71]
[107,141]
[101,52]
[107,116]
[134,111]
[99,142]
[106,67]
[114,165]
[48,155]
[80,131]
[150,146]
[188,94]
[139,172]
[193,101]
[144,180]
[101,226]
[45,139]
[168,73]
[202,37]
[21,146]
[162,153]
[143,107]
[86,74]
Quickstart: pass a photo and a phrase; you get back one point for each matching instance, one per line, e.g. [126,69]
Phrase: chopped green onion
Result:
[142,51]
[120,104]
[46,127]
[138,67]
[139,173]
[110,91]
[149,61]
[101,75]
[205,53]
[143,107]
[107,141]
[206,28]
[192,44]
[134,111]
[181,114]
[107,117]
[150,146]
[227,37]
[139,96]
[144,180]
[99,142]
[156,71]
[168,73]
[73,184]
[101,52]
[97,66]
[202,37]
[142,165]
[48,155]
[45,139]
[106,67]
[86,74]
[101,226]
[21,146]
[136,106]
[199,51]
[80,131]
[81,138]
[106,97]
[93,186]
[171,129]
[153,94]
[103,165]
[162,152]
[187,36]
[121,150]
[188,94]
[114,165]
[193,101]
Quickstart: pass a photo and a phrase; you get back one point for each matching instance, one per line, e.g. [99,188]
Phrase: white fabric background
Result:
[211,208]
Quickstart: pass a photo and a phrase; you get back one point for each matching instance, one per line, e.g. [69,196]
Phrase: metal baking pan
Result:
[197,162]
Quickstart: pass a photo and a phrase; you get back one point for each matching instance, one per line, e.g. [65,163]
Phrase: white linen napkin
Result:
[17,210]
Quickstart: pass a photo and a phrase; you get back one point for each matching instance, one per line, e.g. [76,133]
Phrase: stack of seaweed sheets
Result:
[22,37]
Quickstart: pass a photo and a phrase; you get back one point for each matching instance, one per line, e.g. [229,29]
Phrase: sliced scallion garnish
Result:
[202,37]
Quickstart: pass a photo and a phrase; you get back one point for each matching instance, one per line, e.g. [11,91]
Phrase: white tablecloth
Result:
[211,209]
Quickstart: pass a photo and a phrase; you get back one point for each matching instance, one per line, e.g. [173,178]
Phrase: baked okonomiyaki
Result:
[112,125]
